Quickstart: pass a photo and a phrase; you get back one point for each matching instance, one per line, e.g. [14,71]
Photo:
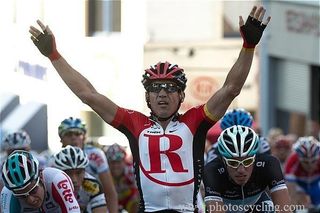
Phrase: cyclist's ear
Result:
[147,97]
[182,96]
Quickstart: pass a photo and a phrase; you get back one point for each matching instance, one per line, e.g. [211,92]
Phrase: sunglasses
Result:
[71,133]
[168,87]
[32,191]
[236,163]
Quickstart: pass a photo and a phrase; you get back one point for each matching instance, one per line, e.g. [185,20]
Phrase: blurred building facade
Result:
[290,74]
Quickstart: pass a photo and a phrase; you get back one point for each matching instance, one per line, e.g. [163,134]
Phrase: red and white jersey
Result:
[306,182]
[59,197]
[97,161]
[295,172]
[168,162]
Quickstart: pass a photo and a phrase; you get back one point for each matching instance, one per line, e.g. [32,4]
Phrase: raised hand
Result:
[252,30]
[45,41]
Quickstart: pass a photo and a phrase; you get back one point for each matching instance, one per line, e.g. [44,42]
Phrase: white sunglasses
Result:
[233,163]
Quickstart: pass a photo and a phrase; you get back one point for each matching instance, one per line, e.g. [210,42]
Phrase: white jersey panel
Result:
[162,167]
[97,161]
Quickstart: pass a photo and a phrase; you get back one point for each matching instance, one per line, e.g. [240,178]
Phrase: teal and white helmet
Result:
[238,141]
[19,170]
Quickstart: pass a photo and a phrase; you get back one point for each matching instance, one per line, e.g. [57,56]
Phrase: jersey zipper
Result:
[242,193]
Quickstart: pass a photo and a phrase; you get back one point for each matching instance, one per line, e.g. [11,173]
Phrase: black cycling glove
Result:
[251,32]
[47,45]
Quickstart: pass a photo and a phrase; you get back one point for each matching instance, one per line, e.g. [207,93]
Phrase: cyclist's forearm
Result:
[239,71]
[220,101]
[79,85]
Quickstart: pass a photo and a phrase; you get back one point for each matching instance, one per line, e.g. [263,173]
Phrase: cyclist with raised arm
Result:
[167,147]
[27,189]
[302,172]
[237,180]
[238,116]
[87,189]
[72,131]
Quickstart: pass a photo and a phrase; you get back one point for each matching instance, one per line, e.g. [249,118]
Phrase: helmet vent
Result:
[248,142]
[230,145]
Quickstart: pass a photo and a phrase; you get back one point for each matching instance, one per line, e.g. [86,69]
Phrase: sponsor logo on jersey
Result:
[169,147]
[96,158]
[90,187]
[67,191]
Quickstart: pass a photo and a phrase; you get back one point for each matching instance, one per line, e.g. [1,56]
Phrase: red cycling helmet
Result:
[115,153]
[165,71]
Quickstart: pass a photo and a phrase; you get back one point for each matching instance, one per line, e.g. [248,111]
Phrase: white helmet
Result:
[16,140]
[70,157]
[307,148]
[238,141]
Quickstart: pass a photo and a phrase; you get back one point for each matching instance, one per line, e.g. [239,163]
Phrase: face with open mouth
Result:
[164,97]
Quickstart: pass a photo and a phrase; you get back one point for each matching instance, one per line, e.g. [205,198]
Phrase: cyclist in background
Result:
[87,189]
[273,133]
[302,172]
[238,177]
[18,140]
[123,178]
[72,131]
[27,189]
[281,147]
[238,116]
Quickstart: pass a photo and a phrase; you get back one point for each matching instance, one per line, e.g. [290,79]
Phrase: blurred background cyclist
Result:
[87,189]
[302,172]
[72,131]
[281,147]
[18,140]
[123,178]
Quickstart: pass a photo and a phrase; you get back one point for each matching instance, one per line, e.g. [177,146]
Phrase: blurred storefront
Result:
[290,78]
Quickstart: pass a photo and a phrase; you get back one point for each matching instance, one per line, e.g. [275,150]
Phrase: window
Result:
[103,17]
